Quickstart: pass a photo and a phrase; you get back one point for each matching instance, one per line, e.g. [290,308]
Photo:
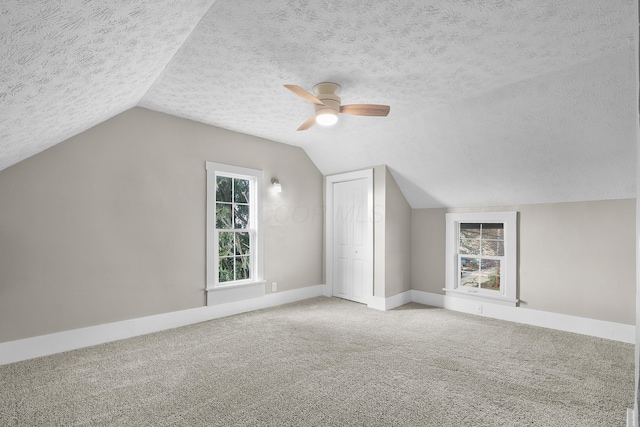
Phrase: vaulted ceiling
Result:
[493,102]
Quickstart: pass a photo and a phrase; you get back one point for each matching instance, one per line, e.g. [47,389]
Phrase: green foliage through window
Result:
[233,222]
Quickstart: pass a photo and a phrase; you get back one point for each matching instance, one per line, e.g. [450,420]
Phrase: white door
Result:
[352,239]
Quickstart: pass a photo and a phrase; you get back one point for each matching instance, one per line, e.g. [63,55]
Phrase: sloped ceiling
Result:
[492,102]
[66,66]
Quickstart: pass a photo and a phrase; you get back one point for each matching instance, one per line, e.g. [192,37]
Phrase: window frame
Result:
[507,295]
[255,229]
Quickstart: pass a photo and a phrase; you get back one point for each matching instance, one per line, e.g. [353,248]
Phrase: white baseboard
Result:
[44,345]
[389,303]
[327,290]
[29,348]
[580,325]
[630,418]
[428,298]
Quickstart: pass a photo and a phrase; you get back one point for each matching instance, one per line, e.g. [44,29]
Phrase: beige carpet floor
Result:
[330,362]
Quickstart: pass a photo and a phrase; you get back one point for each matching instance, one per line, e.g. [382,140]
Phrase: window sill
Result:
[499,299]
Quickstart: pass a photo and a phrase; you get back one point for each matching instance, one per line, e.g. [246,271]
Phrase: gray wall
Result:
[397,240]
[110,224]
[392,235]
[574,258]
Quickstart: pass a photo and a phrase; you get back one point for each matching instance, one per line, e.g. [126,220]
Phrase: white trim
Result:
[377,303]
[481,296]
[563,322]
[428,298]
[327,290]
[232,293]
[44,345]
[630,414]
[366,174]
[256,223]
[391,302]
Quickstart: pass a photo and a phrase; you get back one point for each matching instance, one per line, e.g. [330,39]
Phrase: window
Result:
[234,235]
[481,256]
[234,228]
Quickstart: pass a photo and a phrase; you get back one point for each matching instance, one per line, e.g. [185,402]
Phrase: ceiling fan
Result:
[326,103]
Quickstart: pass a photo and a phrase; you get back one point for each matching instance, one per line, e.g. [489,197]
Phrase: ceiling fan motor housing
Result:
[328,94]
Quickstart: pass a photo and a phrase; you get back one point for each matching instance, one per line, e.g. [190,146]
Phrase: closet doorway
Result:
[349,226]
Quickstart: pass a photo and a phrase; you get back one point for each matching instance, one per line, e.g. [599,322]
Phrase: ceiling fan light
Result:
[326,117]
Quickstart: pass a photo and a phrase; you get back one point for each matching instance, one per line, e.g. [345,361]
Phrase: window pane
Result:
[241,190]
[225,244]
[225,270]
[242,267]
[242,244]
[223,189]
[469,264]
[492,248]
[223,215]
[490,274]
[241,216]
[491,266]
[493,231]
[469,247]
[491,283]
[469,272]
[470,231]
[470,280]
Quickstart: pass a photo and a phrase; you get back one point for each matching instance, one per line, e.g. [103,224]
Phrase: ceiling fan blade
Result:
[308,123]
[303,94]
[365,109]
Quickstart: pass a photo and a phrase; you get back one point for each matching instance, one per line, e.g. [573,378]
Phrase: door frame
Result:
[330,180]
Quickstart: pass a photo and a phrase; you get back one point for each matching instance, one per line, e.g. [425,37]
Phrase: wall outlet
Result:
[274,286]
[478,308]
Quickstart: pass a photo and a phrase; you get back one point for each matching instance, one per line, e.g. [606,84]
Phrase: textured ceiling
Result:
[68,65]
[492,102]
